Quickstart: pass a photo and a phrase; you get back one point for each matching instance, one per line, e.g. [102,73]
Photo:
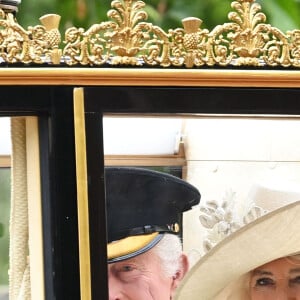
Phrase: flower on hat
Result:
[223,218]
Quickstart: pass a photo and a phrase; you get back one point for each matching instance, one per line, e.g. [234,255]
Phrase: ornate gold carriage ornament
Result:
[127,39]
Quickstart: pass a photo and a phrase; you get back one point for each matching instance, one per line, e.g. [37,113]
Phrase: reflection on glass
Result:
[5,142]
[5,150]
[4,230]
[141,136]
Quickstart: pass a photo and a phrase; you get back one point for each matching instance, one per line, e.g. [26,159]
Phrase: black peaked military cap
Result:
[142,205]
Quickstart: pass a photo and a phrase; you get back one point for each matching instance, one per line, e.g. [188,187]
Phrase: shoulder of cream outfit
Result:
[223,272]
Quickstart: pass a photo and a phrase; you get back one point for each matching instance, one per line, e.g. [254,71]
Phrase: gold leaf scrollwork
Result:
[38,44]
[14,40]
[247,40]
[128,39]
[294,43]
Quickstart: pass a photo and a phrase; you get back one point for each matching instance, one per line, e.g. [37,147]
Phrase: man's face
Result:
[140,278]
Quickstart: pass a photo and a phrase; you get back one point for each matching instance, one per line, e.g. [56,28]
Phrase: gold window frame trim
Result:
[82,195]
[35,223]
[150,77]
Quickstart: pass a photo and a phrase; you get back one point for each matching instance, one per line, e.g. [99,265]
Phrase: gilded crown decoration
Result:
[126,38]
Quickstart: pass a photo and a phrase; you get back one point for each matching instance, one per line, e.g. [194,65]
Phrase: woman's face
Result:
[277,280]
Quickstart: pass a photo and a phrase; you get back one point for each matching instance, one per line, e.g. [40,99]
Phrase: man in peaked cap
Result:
[144,210]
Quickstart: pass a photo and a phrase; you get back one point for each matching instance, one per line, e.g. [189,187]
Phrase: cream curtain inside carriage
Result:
[25,253]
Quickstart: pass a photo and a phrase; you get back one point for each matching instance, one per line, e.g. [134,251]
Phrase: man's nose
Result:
[114,289]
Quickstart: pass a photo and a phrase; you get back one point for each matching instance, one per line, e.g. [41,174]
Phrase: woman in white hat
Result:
[260,261]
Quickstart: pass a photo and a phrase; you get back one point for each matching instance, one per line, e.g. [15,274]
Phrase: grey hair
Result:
[169,251]
[296,256]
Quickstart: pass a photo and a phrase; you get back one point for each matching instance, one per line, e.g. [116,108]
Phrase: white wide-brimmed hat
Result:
[222,272]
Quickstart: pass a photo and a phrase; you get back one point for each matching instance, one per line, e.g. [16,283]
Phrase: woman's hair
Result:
[294,259]
[296,256]
[169,251]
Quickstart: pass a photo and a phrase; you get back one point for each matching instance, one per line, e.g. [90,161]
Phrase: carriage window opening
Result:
[5,187]
[20,209]
[4,228]
[223,157]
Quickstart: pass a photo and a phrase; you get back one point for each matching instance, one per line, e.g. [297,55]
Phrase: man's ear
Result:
[184,267]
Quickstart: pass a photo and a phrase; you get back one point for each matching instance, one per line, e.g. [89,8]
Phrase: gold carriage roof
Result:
[126,39]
